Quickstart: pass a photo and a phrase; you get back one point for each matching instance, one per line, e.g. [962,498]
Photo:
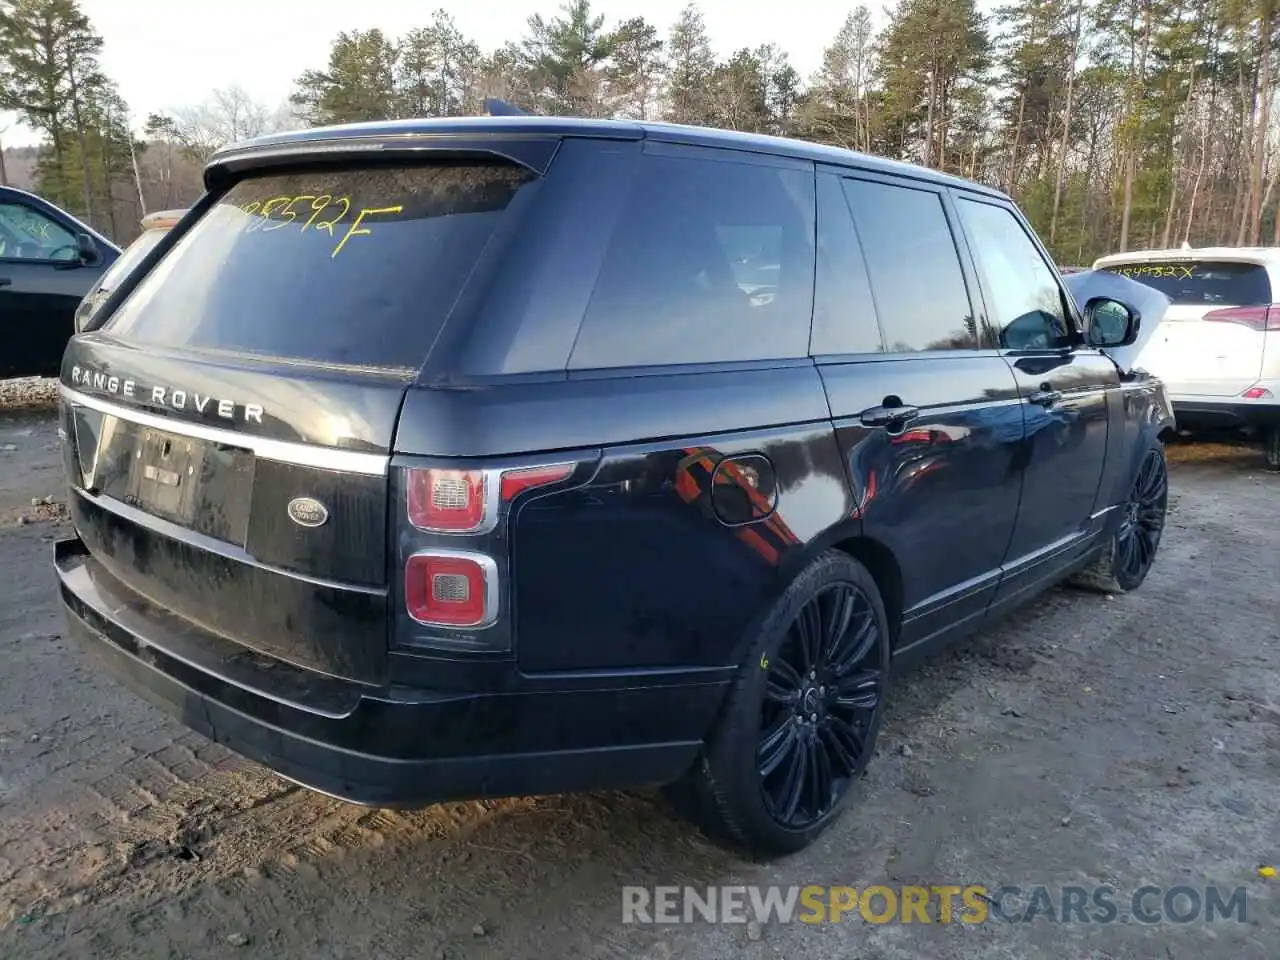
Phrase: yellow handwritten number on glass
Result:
[357,231]
[328,224]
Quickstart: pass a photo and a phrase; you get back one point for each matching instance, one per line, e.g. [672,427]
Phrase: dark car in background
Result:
[513,455]
[48,261]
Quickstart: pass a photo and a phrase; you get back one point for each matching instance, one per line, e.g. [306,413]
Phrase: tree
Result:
[359,84]
[930,51]
[1034,56]
[690,67]
[565,58]
[738,93]
[227,116]
[50,57]
[436,70]
[51,77]
[838,108]
[635,72]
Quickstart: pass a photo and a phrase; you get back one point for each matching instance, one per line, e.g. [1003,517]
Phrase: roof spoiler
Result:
[493,107]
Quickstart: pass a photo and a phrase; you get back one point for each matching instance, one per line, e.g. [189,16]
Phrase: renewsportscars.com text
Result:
[941,903]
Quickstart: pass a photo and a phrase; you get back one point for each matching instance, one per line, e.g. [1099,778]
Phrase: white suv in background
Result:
[1218,347]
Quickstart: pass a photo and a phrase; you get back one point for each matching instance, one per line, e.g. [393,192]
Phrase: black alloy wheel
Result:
[800,721]
[823,690]
[1139,535]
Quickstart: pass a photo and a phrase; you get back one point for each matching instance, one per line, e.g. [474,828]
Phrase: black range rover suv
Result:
[505,456]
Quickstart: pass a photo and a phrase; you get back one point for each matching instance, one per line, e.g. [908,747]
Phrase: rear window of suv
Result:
[1208,283]
[358,267]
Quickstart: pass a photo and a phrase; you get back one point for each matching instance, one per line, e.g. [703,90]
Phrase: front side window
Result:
[28,234]
[711,260]
[1023,295]
[919,287]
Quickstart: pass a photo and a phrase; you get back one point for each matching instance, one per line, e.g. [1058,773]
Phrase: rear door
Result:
[926,413]
[1211,340]
[229,425]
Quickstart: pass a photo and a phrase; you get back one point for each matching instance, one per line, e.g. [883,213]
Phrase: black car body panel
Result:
[42,281]
[267,506]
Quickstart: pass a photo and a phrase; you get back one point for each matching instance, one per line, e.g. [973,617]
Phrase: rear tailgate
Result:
[228,430]
[1212,337]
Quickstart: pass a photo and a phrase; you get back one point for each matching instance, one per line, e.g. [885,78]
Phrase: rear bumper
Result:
[1214,412]
[385,747]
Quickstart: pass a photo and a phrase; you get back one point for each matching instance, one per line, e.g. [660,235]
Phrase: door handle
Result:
[1046,396]
[894,416]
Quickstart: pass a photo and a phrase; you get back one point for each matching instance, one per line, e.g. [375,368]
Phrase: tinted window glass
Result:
[921,297]
[1022,293]
[712,260]
[357,266]
[132,255]
[1191,283]
[27,234]
[844,312]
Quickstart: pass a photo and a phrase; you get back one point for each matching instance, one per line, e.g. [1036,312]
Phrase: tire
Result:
[1271,446]
[1123,564]
[758,785]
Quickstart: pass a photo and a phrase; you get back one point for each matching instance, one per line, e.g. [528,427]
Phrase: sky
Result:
[170,53]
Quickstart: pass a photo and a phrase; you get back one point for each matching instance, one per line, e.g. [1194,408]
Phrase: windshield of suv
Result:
[1207,283]
[353,267]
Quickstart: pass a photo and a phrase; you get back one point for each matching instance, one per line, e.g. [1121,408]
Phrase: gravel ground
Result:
[22,393]
[1082,741]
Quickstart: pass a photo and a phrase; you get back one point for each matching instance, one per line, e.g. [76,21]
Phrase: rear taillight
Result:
[447,501]
[446,588]
[1257,393]
[516,482]
[454,591]
[1265,317]
[467,501]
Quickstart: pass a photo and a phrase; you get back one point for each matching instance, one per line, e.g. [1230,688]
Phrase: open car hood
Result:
[1149,304]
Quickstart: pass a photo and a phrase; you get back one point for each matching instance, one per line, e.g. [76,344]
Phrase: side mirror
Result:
[87,250]
[1110,323]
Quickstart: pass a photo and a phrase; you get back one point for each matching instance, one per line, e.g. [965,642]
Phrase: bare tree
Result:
[227,116]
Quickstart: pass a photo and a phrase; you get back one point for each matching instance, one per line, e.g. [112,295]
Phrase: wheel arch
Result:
[848,538]
[885,571]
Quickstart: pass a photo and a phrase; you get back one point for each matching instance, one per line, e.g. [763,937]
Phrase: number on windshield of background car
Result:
[1208,283]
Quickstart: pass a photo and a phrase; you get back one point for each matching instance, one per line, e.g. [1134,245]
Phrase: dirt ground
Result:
[1083,741]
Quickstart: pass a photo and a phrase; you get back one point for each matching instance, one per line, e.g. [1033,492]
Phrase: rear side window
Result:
[356,267]
[712,260]
[921,297]
[844,311]
[1207,283]
[132,256]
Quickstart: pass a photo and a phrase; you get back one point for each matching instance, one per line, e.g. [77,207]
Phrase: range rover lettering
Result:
[512,455]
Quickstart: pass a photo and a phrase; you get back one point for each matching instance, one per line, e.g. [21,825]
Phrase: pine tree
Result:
[565,58]
[838,107]
[435,70]
[51,77]
[691,67]
[636,70]
[359,84]
[929,52]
